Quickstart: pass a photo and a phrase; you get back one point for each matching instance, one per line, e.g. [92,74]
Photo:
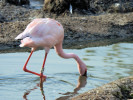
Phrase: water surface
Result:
[104,64]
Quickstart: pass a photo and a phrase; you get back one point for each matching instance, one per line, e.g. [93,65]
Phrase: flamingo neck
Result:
[81,66]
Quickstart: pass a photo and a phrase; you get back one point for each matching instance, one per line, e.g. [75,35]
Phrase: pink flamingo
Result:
[46,33]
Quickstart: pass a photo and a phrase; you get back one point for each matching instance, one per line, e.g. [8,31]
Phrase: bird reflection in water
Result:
[35,87]
[82,81]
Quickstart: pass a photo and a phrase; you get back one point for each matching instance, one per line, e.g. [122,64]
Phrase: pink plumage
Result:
[46,33]
[43,32]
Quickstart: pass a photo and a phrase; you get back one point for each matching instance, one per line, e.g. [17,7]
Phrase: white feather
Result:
[20,36]
[70,8]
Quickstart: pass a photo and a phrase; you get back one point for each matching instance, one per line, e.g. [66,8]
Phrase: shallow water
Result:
[104,63]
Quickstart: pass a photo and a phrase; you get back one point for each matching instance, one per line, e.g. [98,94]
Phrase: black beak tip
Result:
[85,74]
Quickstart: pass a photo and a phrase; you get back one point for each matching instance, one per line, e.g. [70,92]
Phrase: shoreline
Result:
[77,29]
[9,48]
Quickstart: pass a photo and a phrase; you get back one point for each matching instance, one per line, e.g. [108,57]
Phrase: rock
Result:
[2,3]
[81,29]
[2,19]
[56,6]
[80,4]
[18,2]
[95,6]
[121,89]
[123,7]
[101,6]
[60,6]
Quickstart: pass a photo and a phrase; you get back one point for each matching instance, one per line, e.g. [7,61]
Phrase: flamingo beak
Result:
[85,74]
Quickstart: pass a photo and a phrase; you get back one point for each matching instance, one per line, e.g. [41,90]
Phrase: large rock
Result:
[59,6]
[56,6]
[95,6]
[121,89]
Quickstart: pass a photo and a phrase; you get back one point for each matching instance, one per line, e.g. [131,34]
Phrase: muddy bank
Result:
[121,89]
[78,28]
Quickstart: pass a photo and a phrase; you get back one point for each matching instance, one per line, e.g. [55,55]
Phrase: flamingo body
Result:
[46,33]
[43,32]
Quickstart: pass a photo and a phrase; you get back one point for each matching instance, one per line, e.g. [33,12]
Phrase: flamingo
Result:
[47,33]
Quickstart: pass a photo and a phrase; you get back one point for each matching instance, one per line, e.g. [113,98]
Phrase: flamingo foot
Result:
[41,75]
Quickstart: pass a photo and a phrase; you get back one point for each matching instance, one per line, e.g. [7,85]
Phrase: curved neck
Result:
[60,52]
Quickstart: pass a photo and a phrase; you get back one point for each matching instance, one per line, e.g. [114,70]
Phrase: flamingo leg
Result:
[42,70]
[26,70]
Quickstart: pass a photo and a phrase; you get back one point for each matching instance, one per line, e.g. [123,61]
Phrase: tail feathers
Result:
[20,36]
[21,45]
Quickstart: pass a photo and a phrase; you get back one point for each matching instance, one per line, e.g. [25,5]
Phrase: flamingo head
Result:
[82,69]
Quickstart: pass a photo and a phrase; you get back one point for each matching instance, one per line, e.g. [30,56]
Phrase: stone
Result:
[120,89]
[111,6]
[18,2]
[56,6]
[2,19]
[60,6]
[80,4]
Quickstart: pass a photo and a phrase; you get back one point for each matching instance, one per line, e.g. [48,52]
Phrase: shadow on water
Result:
[82,81]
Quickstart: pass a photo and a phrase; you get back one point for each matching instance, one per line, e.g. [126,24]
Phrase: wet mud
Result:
[79,29]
